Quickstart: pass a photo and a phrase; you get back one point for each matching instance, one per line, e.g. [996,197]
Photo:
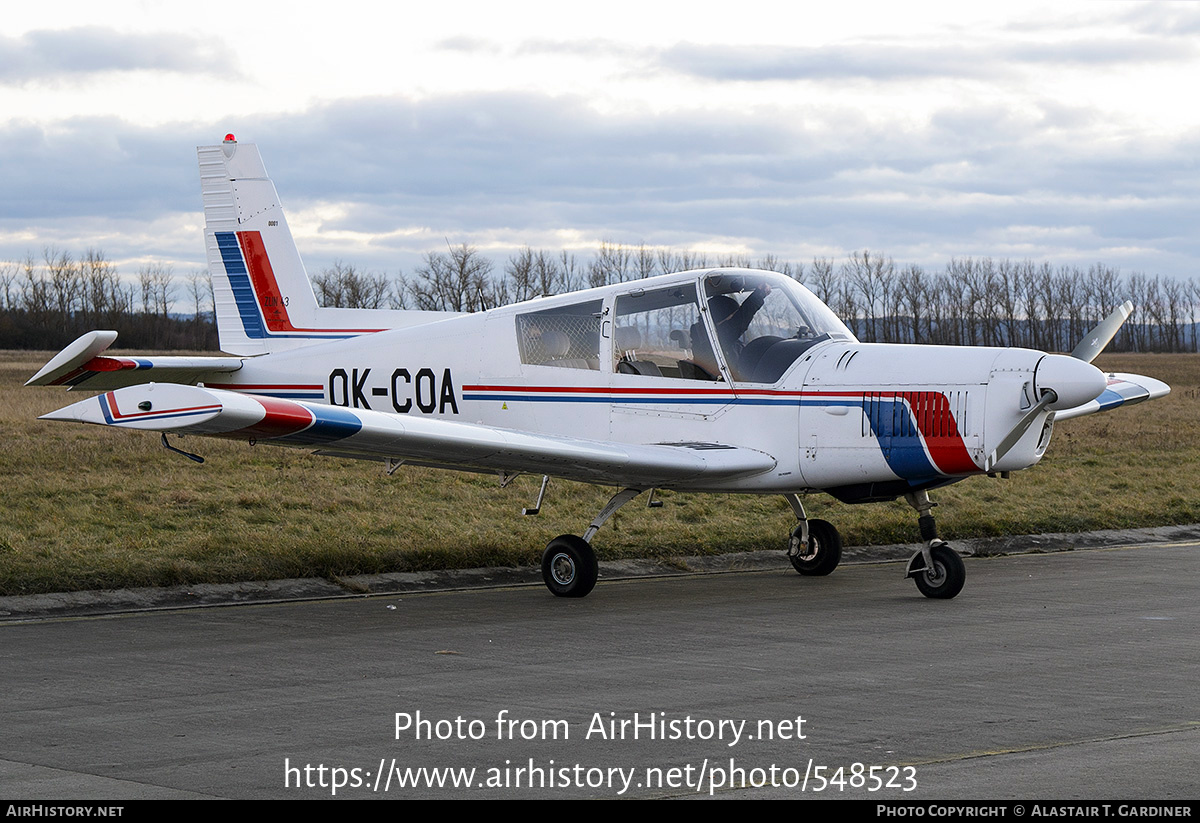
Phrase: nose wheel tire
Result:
[946,578]
[569,566]
[824,550]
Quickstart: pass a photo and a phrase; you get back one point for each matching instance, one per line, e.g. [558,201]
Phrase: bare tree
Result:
[35,292]
[344,286]
[913,301]
[64,283]
[613,263]
[457,280]
[644,262]
[570,271]
[9,272]
[869,277]
[772,263]
[519,271]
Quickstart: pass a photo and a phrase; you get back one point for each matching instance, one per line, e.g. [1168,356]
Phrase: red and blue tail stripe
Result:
[260,302]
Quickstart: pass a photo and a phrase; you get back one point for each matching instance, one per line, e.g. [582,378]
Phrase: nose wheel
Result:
[945,578]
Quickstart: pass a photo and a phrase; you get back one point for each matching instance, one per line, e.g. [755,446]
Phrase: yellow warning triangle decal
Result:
[504,406]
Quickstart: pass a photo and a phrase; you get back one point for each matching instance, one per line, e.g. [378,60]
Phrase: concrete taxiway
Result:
[1066,675]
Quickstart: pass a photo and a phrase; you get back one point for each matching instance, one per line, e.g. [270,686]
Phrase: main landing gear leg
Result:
[937,569]
[569,565]
[815,547]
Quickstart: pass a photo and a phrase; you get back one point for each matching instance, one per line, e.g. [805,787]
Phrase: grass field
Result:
[89,508]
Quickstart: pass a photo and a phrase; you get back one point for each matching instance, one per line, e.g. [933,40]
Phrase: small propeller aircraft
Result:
[718,380]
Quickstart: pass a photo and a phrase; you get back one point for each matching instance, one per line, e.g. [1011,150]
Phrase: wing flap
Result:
[83,365]
[372,434]
[1122,390]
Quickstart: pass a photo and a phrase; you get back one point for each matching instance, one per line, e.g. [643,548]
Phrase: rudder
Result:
[261,293]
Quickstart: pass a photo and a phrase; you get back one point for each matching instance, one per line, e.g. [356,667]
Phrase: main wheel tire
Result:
[569,566]
[824,549]
[947,576]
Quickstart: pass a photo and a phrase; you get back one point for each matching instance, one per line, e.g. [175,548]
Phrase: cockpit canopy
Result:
[763,322]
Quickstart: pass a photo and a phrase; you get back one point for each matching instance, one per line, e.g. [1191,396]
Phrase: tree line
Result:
[971,302]
[46,302]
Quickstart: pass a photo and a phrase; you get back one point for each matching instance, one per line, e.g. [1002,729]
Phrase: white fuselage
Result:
[869,419]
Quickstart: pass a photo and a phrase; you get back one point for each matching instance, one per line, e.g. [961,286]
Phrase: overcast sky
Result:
[923,130]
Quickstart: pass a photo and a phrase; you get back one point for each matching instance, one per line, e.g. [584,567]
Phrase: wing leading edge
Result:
[371,434]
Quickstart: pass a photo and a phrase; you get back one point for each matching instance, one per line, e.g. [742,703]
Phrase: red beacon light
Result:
[229,138]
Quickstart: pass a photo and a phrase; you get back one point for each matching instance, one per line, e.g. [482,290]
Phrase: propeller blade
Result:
[1094,341]
[1011,439]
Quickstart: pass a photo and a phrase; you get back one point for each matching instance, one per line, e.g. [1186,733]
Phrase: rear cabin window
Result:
[567,337]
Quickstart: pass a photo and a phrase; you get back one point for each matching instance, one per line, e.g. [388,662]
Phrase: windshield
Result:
[764,321]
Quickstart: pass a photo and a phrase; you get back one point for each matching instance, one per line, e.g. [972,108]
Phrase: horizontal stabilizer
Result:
[1122,390]
[372,434]
[82,365]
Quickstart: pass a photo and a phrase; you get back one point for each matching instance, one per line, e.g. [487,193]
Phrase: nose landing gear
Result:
[937,569]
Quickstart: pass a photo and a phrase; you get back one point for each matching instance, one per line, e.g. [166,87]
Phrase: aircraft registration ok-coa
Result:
[720,380]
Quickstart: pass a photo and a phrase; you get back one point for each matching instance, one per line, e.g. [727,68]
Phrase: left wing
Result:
[83,365]
[1122,390]
[373,434]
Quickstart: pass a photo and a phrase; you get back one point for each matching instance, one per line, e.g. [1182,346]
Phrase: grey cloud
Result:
[883,61]
[875,61]
[525,165]
[580,47]
[1170,19]
[1099,51]
[593,47]
[88,49]
[469,45]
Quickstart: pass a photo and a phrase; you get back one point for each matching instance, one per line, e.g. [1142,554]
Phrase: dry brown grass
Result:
[87,507]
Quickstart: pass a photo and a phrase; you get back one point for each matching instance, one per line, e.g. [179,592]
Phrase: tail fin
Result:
[263,299]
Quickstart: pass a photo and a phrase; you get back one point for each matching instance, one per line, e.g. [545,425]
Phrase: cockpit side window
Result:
[660,333]
[567,337]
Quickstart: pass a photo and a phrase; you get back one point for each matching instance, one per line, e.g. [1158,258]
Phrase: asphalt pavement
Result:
[1065,674]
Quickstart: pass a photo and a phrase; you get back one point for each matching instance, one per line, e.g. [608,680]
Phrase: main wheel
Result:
[569,566]
[824,549]
[947,576]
